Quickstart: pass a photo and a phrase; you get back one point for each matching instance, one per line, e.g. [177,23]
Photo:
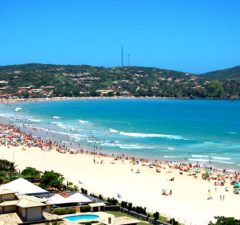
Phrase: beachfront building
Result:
[22,186]
[97,206]
[23,208]
[74,199]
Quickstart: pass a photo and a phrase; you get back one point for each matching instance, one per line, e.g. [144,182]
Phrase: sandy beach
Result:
[188,202]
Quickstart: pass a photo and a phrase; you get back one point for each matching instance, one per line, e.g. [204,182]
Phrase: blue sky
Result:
[187,35]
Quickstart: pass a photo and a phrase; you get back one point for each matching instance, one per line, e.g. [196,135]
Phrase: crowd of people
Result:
[13,136]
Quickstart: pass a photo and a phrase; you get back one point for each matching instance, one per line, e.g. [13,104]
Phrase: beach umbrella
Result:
[196,169]
[237,185]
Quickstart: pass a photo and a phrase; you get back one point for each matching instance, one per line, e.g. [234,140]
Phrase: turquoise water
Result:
[207,131]
[82,217]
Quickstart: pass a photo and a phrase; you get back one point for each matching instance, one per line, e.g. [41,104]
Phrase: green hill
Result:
[231,73]
[46,80]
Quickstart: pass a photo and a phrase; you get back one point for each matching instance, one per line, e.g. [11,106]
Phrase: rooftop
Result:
[6,192]
[97,204]
[22,186]
[9,203]
[29,201]
[10,219]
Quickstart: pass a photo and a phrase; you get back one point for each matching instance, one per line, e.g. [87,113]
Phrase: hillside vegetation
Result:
[45,80]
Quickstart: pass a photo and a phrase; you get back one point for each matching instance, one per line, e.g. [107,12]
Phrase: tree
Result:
[3,177]
[51,179]
[156,215]
[221,220]
[8,167]
[31,173]
[214,89]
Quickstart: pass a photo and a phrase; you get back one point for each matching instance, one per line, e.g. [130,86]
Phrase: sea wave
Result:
[77,137]
[60,125]
[211,160]
[200,156]
[234,146]
[232,132]
[198,160]
[171,148]
[35,120]
[222,162]
[7,115]
[221,158]
[83,121]
[144,135]
[126,146]
[113,130]
[56,117]
[172,156]
[17,109]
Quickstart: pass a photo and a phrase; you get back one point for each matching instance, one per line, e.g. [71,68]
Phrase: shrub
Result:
[124,204]
[89,223]
[156,215]
[63,211]
[85,208]
[129,206]
[173,221]
[100,197]
[112,201]
[225,221]
[84,191]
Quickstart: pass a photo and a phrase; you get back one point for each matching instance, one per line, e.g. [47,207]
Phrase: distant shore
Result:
[8,101]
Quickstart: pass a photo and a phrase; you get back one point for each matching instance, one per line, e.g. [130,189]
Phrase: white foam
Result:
[221,158]
[113,130]
[7,115]
[222,161]
[35,120]
[144,135]
[171,148]
[56,117]
[83,121]
[199,156]
[198,160]
[126,146]
[134,147]
[77,137]
[59,124]
[173,156]
[17,109]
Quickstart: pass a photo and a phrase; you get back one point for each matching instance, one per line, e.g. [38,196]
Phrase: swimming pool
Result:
[82,217]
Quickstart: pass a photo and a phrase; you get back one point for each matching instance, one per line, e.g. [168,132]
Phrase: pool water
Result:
[82,217]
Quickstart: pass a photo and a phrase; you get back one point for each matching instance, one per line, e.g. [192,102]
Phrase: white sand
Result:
[188,203]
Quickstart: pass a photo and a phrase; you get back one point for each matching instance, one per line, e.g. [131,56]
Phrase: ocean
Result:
[204,131]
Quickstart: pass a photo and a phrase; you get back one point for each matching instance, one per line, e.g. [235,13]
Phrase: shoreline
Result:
[114,154]
[20,100]
[128,176]
[109,152]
